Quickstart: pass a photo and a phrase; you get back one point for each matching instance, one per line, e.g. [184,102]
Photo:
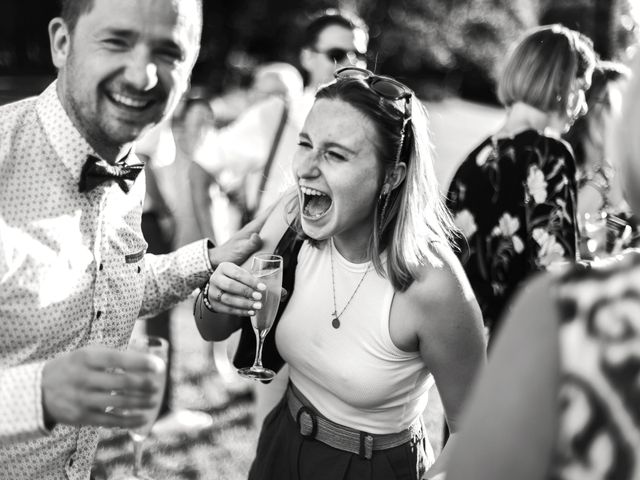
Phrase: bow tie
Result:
[96,171]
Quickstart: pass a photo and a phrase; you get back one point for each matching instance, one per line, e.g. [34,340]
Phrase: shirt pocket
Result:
[127,278]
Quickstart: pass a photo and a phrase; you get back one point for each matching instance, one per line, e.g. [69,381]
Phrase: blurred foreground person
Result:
[605,221]
[379,306]
[514,196]
[564,372]
[74,276]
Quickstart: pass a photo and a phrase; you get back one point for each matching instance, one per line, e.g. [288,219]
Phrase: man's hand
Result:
[239,247]
[101,386]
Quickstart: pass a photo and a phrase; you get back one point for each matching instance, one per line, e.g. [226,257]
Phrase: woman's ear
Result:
[395,176]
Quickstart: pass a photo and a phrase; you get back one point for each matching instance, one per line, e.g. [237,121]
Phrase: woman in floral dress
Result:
[514,196]
[569,355]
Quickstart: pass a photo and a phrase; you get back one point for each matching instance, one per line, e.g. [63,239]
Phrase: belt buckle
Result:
[307,422]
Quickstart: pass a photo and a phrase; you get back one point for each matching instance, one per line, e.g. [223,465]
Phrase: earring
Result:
[383,200]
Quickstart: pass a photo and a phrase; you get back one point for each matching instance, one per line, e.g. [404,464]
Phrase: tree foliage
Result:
[453,44]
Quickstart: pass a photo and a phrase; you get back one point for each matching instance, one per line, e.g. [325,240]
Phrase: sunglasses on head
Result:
[384,86]
[340,55]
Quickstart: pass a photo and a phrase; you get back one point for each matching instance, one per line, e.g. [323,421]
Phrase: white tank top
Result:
[353,375]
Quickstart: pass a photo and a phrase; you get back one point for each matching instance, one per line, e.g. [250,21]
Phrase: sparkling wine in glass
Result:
[268,268]
[158,347]
[593,235]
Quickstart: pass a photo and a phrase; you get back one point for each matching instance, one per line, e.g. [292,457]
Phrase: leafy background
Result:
[438,47]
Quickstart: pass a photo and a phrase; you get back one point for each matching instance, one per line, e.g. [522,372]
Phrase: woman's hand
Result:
[235,291]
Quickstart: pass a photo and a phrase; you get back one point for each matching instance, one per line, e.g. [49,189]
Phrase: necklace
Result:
[335,322]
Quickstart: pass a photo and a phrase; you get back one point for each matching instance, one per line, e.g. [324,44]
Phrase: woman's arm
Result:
[450,333]
[449,329]
[508,429]
[233,292]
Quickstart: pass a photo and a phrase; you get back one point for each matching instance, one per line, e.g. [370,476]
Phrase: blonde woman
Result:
[514,196]
[380,306]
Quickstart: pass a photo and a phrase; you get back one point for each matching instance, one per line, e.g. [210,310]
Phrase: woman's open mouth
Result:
[315,204]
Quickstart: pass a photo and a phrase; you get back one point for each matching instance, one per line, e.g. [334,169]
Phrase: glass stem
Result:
[137,457]
[257,363]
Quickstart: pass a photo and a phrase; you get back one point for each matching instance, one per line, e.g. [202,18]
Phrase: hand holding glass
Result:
[268,268]
[159,348]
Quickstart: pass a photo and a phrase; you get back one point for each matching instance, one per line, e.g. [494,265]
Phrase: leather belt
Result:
[312,424]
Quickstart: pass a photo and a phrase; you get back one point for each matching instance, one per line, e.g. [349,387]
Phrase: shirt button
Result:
[101,267]
[139,269]
[70,462]
[98,314]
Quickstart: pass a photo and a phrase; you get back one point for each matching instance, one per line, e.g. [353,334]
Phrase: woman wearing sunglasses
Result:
[514,196]
[380,306]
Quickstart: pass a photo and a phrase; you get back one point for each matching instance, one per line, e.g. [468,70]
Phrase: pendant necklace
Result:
[335,322]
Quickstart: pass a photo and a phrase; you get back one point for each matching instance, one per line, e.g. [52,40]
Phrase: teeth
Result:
[311,191]
[128,101]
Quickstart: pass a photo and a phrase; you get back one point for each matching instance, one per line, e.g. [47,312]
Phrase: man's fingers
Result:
[121,401]
[257,223]
[118,418]
[139,384]
[108,359]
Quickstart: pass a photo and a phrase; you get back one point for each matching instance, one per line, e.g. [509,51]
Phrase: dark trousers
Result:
[284,454]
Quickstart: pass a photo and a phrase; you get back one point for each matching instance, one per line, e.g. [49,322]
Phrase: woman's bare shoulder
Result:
[441,281]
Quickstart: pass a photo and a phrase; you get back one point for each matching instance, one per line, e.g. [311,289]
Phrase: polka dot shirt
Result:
[73,272]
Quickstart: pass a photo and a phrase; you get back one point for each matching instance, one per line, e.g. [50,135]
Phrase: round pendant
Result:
[335,323]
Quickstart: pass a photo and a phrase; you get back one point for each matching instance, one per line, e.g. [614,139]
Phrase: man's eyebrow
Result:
[119,32]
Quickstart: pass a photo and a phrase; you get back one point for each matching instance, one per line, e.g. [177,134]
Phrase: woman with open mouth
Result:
[377,305]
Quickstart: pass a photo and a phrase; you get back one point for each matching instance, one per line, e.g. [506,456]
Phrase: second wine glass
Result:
[268,268]
[158,347]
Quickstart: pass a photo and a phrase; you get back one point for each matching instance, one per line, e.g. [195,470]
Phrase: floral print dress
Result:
[514,201]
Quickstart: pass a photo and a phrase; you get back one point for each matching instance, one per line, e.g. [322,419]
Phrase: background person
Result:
[514,196]
[380,307]
[600,199]
[74,276]
[563,374]
[220,200]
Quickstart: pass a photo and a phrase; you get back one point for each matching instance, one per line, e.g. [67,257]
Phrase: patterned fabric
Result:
[599,398]
[514,201]
[73,272]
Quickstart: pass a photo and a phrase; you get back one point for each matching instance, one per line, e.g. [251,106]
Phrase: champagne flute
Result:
[593,231]
[268,268]
[158,347]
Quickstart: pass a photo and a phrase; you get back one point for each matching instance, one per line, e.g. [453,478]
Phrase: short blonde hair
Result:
[542,67]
